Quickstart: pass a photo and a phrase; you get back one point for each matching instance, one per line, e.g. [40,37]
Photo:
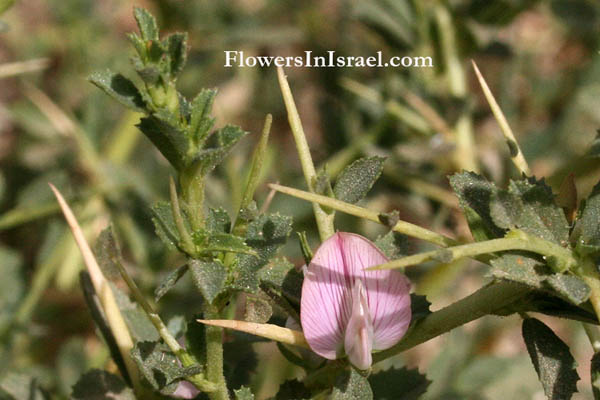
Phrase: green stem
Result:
[186,239]
[401,226]
[192,187]
[588,271]
[186,359]
[214,358]
[324,220]
[490,299]
[559,258]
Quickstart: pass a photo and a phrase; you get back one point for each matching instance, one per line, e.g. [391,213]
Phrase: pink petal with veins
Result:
[328,303]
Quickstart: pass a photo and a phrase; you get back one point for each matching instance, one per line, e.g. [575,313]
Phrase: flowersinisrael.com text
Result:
[234,58]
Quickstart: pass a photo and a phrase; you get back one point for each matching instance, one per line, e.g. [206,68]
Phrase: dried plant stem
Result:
[516,155]
[324,220]
[22,67]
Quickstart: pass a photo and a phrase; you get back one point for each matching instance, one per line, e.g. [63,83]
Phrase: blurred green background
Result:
[540,59]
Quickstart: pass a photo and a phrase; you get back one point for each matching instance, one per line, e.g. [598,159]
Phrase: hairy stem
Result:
[214,358]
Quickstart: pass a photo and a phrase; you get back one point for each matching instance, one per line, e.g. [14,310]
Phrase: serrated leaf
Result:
[201,122]
[170,140]
[243,393]
[210,242]
[22,387]
[218,147]
[540,215]
[257,310]
[209,277]
[350,385]
[552,360]
[158,365]
[355,181]
[474,193]
[176,44]
[265,235]
[169,282]
[595,375]
[275,272]
[119,88]
[146,23]
[164,224]
[590,219]
[97,384]
[293,390]
[218,221]
[398,384]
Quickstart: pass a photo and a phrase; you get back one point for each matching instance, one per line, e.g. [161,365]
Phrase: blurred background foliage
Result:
[540,58]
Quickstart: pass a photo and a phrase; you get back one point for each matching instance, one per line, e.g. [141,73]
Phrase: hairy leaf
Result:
[169,139]
[108,254]
[159,366]
[119,88]
[137,321]
[169,282]
[218,147]
[218,221]
[589,221]
[257,310]
[350,385]
[293,390]
[209,277]
[398,384]
[551,359]
[355,181]
[164,224]
[201,122]
[211,242]
[176,44]
[146,23]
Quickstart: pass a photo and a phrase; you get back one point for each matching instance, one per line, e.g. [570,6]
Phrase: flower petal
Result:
[358,338]
[327,298]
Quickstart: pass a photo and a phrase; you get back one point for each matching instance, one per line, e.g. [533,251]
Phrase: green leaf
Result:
[505,209]
[590,218]
[209,277]
[97,384]
[218,221]
[571,287]
[350,385]
[108,254]
[164,224]
[393,245]
[119,88]
[257,310]
[240,362]
[243,393]
[158,365]
[419,306]
[15,386]
[531,272]
[540,215]
[211,242]
[552,360]
[219,145]
[169,139]
[265,235]
[201,122]
[595,375]
[475,193]
[293,390]
[169,282]
[355,181]
[195,340]
[146,23]
[140,327]
[275,272]
[176,44]
[398,384]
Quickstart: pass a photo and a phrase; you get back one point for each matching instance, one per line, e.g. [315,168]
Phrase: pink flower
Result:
[348,310]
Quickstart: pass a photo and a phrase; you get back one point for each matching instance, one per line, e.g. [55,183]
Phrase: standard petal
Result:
[325,292]
[388,291]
